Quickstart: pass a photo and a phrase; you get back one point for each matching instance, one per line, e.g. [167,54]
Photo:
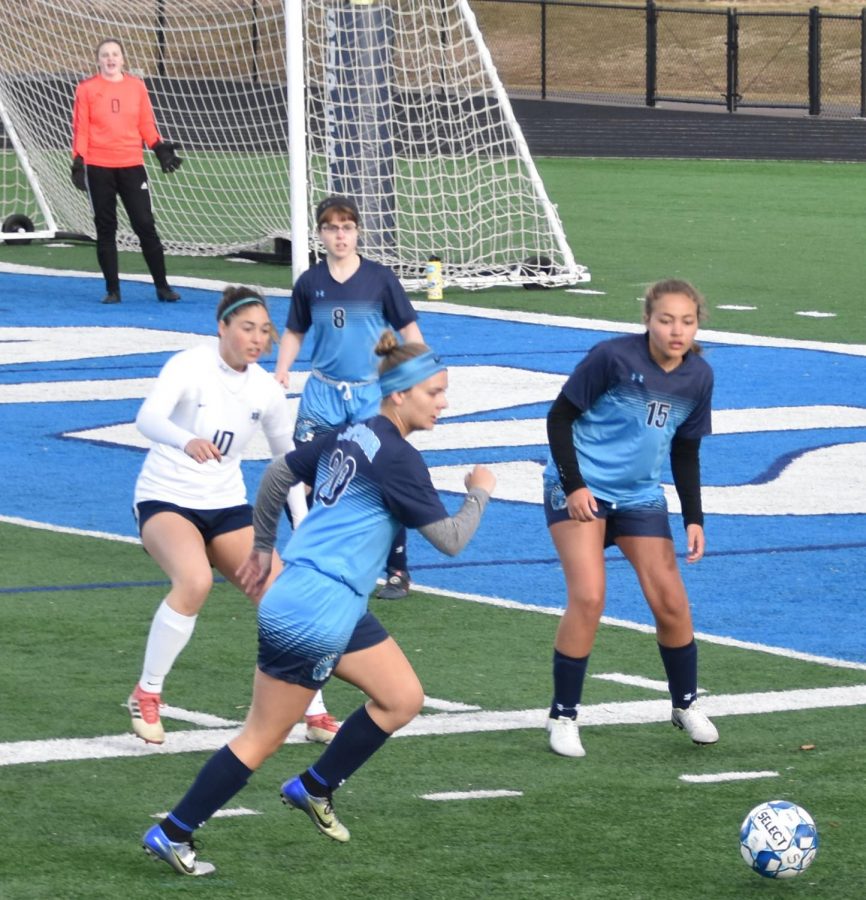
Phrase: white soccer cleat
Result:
[698,727]
[321,728]
[144,709]
[565,737]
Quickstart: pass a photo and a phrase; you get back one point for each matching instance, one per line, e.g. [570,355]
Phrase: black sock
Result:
[681,668]
[314,786]
[357,740]
[221,777]
[569,673]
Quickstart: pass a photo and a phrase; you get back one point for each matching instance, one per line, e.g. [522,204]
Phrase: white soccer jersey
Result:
[197,395]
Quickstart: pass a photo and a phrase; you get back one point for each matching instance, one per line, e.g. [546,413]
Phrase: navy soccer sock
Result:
[681,667]
[357,740]
[569,673]
[220,778]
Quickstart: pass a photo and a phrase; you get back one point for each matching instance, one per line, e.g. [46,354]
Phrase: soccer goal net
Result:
[277,103]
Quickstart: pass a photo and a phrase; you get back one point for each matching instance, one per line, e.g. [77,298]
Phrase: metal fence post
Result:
[160,38]
[733,60]
[863,63]
[814,61]
[651,51]
[543,49]
[254,40]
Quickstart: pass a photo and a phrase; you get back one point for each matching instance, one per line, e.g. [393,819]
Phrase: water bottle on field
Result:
[435,282]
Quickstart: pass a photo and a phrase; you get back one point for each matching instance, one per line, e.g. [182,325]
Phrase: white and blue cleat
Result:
[180,856]
[319,809]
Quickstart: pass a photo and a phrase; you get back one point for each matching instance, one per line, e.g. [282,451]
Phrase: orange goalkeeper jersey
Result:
[110,120]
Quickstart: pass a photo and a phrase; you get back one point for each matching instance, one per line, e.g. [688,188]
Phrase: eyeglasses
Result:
[345,227]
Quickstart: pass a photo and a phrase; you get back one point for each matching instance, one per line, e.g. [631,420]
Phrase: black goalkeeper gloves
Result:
[77,174]
[168,159]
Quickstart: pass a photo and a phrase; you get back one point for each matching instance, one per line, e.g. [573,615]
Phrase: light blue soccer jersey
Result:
[632,409]
[368,482]
[346,319]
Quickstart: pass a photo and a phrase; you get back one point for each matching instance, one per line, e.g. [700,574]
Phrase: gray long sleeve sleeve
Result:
[270,500]
[451,535]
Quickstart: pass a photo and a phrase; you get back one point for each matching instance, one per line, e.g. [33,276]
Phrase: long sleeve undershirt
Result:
[686,470]
[560,419]
[685,460]
[449,535]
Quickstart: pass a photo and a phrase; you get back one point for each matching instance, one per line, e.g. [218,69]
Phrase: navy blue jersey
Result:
[347,319]
[368,482]
[632,409]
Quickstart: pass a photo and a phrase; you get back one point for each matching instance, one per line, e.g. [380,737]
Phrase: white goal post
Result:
[277,103]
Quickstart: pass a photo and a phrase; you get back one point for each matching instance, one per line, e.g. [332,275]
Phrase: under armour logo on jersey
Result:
[256,415]
[636,376]
[342,470]
[320,294]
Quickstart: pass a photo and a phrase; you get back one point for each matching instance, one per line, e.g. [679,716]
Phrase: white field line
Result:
[471,795]
[206,284]
[62,529]
[705,334]
[646,629]
[454,309]
[220,813]
[652,684]
[504,603]
[638,712]
[206,720]
[727,776]
[448,705]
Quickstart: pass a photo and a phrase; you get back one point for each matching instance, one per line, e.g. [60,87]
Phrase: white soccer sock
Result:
[317,705]
[169,634]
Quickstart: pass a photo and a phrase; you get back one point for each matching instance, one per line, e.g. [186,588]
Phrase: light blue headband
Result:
[410,373]
[238,304]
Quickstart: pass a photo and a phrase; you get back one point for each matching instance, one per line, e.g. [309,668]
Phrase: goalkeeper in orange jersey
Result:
[111,119]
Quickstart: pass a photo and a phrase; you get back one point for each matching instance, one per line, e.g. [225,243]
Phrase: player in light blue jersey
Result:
[343,303]
[631,402]
[313,621]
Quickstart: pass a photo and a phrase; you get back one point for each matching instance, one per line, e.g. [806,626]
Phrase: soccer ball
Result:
[778,839]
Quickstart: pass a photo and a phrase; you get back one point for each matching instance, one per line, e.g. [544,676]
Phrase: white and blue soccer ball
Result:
[778,839]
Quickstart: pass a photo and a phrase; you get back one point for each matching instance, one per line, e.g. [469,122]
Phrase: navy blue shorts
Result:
[651,520]
[296,668]
[211,523]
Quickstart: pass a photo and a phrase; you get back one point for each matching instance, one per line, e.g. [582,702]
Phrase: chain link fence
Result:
[808,61]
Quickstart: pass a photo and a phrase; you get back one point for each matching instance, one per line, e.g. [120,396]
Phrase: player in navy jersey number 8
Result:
[629,402]
[343,303]
[313,620]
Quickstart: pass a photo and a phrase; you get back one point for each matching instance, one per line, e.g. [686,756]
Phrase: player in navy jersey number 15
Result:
[341,305]
[313,621]
[629,403]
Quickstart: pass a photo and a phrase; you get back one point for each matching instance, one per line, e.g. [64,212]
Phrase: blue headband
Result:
[238,304]
[410,373]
